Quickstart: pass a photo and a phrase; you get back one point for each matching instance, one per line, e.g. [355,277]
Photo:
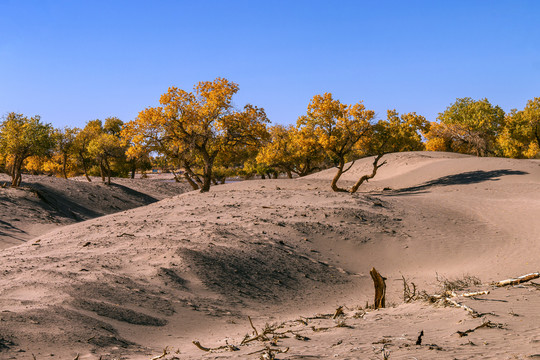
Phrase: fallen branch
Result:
[473,312]
[125,234]
[260,336]
[227,347]
[486,323]
[165,353]
[518,280]
[253,327]
[270,354]
[319,329]
[339,312]
[478,293]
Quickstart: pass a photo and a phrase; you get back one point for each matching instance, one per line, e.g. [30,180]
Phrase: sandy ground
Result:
[195,266]
[44,203]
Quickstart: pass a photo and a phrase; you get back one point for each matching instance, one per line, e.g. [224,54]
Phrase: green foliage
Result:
[469,126]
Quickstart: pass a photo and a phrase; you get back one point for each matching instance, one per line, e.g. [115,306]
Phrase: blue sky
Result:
[74,61]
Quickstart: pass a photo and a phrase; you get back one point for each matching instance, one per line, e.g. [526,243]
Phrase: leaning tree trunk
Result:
[335,180]
[364,178]
[190,181]
[83,160]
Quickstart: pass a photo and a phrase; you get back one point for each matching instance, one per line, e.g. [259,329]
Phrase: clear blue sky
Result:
[74,61]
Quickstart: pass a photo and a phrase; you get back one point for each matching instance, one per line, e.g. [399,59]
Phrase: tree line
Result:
[202,133]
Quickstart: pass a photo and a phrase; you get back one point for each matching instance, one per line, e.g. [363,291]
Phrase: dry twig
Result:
[486,323]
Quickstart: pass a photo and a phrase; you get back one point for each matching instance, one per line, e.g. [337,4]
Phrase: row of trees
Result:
[477,127]
[205,135]
[97,149]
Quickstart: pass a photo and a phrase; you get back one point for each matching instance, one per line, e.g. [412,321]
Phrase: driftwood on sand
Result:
[518,280]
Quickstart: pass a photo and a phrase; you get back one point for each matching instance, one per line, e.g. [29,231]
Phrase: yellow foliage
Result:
[198,125]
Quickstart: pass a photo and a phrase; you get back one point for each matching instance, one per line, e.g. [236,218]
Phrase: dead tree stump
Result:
[380,288]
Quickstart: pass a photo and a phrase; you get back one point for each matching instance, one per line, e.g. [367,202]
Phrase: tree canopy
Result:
[338,129]
[20,138]
[468,126]
[200,124]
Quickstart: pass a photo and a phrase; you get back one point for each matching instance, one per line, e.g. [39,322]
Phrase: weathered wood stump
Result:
[380,288]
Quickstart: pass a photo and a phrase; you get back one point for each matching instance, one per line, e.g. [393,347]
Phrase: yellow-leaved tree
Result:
[200,125]
[82,142]
[520,137]
[338,128]
[292,150]
[64,156]
[107,148]
[20,138]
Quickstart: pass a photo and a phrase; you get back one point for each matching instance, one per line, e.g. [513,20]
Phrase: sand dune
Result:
[45,203]
[194,266]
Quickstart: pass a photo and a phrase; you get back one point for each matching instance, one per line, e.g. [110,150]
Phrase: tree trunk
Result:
[207,176]
[335,180]
[289,174]
[16,176]
[192,175]
[380,288]
[64,161]
[108,168]
[133,170]
[102,170]
[376,167]
[83,160]
[190,181]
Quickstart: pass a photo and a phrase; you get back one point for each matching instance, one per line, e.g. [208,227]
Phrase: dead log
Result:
[473,312]
[380,288]
[518,280]
[478,293]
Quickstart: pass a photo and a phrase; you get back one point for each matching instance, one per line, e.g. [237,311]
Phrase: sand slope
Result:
[195,265]
[45,203]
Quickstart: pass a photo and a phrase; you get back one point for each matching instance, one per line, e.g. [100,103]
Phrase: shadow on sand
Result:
[466,178]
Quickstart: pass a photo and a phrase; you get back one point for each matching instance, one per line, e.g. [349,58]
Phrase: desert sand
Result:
[194,266]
